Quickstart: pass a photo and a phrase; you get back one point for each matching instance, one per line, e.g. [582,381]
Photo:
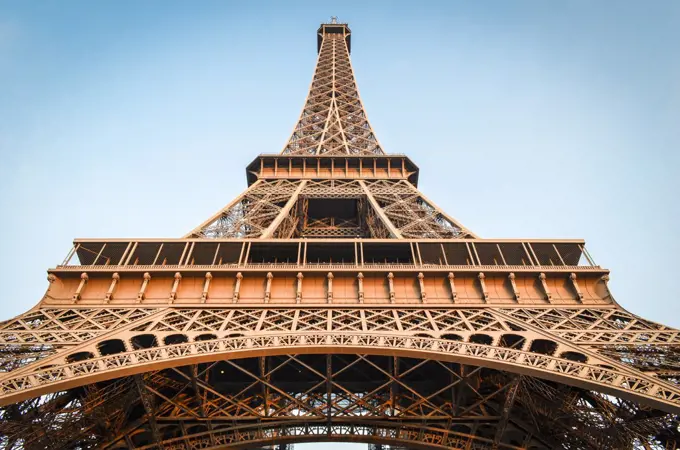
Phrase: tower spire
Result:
[333,120]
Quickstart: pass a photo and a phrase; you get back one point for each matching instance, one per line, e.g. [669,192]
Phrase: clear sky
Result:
[527,118]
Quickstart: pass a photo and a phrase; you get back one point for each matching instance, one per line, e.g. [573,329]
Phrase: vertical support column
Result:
[268,287]
[206,286]
[237,288]
[572,277]
[482,284]
[360,283]
[452,285]
[83,281]
[513,284]
[329,393]
[298,291]
[142,291]
[390,283]
[330,287]
[175,285]
[421,283]
[149,407]
[265,386]
[544,284]
[109,294]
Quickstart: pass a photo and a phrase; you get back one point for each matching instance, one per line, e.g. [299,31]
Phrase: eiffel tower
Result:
[333,301]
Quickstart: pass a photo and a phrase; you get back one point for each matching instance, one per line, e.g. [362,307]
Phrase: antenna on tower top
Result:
[334,19]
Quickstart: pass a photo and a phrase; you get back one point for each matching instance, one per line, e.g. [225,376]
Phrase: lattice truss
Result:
[292,398]
[383,208]
[333,120]
[389,399]
[251,213]
[411,213]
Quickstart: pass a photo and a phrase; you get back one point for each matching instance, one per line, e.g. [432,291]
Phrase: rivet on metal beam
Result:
[175,285]
[360,283]
[114,281]
[268,287]
[142,290]
[206,287]
[330,287]
[515,291]
[83,281]
[421,283]
[452,285]
[544,283]
[237,287]
[390,282]
[482,284]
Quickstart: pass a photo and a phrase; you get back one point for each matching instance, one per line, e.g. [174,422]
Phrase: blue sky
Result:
[527,119]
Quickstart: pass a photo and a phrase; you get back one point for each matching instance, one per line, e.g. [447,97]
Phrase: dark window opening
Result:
[203,253]
[332,217]
[574,356]
[512,341]
[175,339]
[514,254]
[330,253]
[452,337]
[387,253]
[80,356]
[543,346]
[170,254]
[431,253]
[273,253]
[145,254]
[546,254]
[205,337]
[481,339]
[489,255]
[457,254]
[143,341]
[228,253]
[111,347]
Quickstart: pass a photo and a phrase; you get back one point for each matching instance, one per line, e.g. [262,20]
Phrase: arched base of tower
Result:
[292,398]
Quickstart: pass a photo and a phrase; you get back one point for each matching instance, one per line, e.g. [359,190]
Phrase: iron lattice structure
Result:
[333,301]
